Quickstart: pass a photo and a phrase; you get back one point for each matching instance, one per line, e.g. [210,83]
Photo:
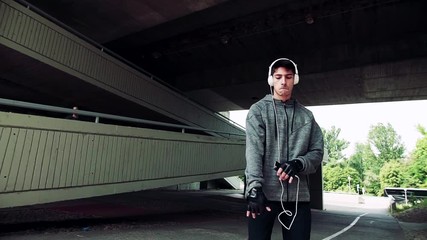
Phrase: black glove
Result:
[290,168]
[256,200]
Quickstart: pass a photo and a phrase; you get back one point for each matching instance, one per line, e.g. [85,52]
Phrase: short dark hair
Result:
[283,63]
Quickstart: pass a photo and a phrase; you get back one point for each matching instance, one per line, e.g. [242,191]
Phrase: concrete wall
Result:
[47,159]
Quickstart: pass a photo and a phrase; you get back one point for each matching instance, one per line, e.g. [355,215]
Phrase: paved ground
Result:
[161,215]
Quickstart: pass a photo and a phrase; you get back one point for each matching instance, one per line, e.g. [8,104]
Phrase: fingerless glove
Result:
[256,200]
[290,168]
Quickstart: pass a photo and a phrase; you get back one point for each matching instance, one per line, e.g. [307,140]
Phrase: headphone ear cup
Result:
[296,79]
[270,81]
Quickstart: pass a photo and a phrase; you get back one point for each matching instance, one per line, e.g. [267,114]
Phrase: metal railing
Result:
[97,116]
[401,194]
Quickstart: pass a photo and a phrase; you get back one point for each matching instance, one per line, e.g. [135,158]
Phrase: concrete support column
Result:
[316,189]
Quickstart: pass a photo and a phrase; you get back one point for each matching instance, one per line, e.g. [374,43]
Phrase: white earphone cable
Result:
[287,212]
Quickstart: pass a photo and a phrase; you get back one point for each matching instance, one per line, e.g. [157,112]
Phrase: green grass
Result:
[417,203]
[415,212]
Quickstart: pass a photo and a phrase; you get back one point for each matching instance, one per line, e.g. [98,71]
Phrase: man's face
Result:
[283,83]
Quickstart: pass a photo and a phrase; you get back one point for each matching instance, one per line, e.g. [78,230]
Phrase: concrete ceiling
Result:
[218,51]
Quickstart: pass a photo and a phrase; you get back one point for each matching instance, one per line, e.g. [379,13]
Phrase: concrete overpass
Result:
[180,62]
[216,52]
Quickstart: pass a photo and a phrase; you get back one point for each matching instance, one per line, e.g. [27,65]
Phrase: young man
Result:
[283,145]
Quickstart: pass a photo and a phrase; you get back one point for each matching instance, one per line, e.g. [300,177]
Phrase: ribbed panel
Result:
[38,153]
[57,47]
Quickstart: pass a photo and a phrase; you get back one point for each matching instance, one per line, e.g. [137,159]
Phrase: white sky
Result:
[356,119]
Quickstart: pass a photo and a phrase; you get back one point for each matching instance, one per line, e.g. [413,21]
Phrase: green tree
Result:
[392,174]
[417,169]
[386,145]
[334,146]
[360,159]
[372,183]
[336,178]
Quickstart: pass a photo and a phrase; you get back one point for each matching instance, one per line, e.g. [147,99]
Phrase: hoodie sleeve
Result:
[255,143]
[314,156]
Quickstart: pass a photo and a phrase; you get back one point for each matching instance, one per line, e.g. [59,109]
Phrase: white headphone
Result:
[270,76]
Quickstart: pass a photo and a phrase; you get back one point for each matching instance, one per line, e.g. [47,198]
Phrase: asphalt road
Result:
[161,215]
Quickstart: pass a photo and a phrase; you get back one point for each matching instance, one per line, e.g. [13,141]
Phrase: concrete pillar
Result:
[316,189]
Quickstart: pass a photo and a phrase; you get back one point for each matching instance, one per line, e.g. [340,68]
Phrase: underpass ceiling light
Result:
[309,19]
[156,55]
[225,39]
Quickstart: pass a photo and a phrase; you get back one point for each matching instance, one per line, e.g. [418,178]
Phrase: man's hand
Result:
[256,202]
[288,170]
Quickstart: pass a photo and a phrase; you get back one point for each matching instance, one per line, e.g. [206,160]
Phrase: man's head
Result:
[283,75]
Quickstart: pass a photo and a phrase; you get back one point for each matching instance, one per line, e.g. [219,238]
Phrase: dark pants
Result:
[261,227]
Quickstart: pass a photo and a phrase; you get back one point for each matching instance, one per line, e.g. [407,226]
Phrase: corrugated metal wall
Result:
[48,156]
[26,32]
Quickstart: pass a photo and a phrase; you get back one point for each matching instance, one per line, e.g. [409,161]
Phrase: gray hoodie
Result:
[300,137]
